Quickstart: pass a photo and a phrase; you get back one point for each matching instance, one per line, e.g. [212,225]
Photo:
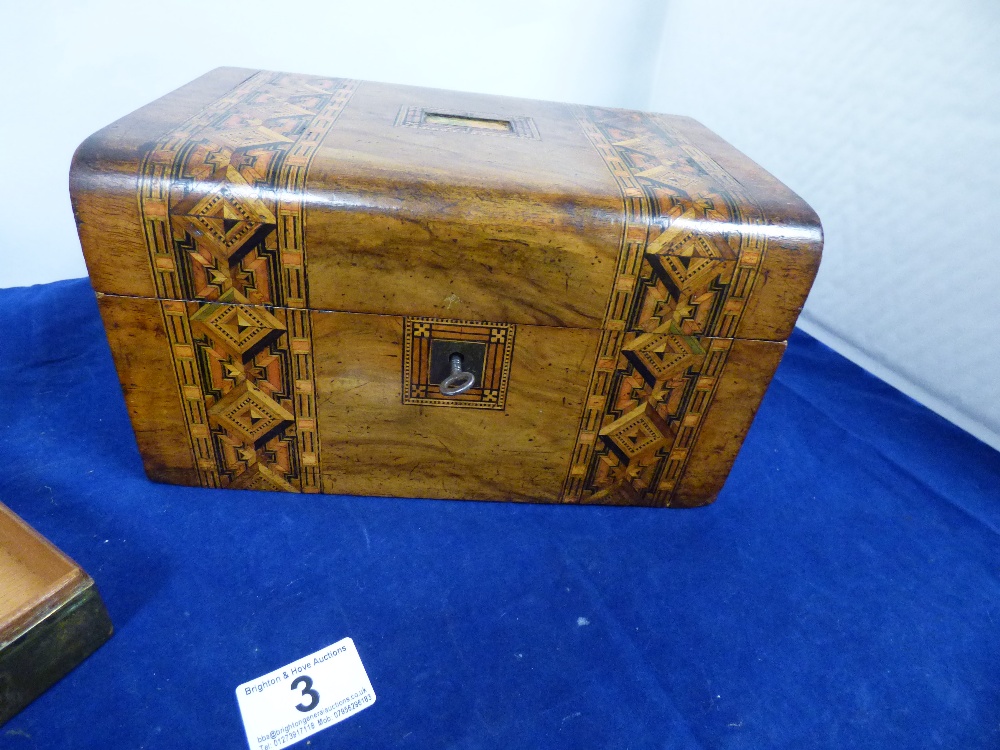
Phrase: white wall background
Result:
[70,68]
[884,116]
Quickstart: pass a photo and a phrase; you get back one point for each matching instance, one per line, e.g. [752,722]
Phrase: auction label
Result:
[301,698]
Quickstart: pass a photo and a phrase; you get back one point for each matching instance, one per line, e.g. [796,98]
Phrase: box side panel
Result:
[143,358]
[794,237]
[104,183]
[375,444]
[749,370]
[780,291]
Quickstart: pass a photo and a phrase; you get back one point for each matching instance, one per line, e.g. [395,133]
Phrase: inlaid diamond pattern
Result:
[638,433]
[251,414]
[242,330]
[664,352]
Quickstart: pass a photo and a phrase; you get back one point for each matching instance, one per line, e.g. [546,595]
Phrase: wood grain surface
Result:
[142,353]
[748,372]
[443,222]
[373,444]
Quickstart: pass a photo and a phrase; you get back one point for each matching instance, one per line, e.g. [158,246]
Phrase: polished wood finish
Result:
[384,447]
[51,617]
[104,184]
[277,255]
[748,372]
[135,331]
[461,225]
[381,447]
[795,239]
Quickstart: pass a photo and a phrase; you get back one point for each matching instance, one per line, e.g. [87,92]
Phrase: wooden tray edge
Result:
[44,653]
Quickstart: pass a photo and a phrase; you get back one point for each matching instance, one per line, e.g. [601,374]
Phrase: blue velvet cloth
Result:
[843,592]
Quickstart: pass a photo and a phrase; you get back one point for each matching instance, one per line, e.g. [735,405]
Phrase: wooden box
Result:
[285,265]
[51,616]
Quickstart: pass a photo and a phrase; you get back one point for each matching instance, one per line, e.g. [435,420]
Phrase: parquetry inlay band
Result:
[677,300]
[220,199]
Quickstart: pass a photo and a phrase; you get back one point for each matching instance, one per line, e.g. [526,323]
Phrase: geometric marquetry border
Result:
[488,392]
[220,198]
[689,258]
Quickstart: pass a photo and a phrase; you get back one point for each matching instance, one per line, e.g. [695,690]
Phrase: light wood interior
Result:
[31,569]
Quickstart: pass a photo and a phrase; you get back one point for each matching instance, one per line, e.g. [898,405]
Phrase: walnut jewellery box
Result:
[327,285]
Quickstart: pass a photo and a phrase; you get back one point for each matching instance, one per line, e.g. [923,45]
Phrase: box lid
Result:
[298,191]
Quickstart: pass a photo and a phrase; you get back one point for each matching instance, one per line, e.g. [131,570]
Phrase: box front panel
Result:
[386,428]
[266,398]
[217,406]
